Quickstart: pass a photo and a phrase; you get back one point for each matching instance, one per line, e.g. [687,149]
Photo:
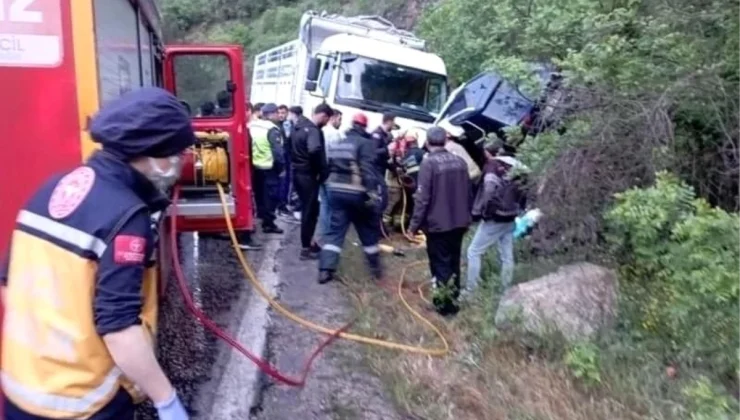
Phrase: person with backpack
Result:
[501,198]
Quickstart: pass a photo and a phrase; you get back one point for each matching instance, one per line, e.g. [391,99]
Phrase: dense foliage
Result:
[680,265]
[652,85]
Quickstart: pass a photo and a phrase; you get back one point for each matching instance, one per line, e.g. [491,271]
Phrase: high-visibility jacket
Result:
[262,157]
[67,240]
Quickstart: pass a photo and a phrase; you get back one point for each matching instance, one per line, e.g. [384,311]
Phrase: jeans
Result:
[488,234]
[383,196]
[350,209]
[324,212]
[307,187]
[285,183]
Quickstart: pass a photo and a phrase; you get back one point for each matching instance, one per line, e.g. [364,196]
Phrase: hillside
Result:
[259,25]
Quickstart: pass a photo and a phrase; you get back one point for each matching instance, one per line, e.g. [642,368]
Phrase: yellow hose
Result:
[319,328]
[215,164]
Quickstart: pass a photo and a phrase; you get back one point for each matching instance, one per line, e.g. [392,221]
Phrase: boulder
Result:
[577,300]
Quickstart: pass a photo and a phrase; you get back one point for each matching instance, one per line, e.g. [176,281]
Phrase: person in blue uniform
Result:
[79,285]
[351,188]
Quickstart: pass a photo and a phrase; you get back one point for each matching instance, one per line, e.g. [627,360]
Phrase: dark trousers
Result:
[266,190]
[307,187]
[443,249]
[346,209]
[285,183]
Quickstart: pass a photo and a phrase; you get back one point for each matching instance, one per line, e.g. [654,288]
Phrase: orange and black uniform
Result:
[81,265]
[69,283]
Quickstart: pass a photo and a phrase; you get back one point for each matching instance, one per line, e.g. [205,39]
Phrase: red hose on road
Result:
[263,365]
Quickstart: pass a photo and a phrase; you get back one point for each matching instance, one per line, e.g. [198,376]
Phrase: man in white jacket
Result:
[331,130]
[332,135]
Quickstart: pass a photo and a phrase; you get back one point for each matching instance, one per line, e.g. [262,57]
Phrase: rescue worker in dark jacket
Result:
[442,210]
[80,291]
[382,137]
[351,189]
[268,161]
[409,168]
[309,172]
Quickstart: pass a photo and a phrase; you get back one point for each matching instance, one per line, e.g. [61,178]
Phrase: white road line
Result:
[238,387]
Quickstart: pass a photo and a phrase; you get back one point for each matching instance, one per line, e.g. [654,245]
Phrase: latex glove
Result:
[171,409]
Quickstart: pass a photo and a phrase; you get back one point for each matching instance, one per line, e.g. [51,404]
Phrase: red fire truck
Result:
[61,60]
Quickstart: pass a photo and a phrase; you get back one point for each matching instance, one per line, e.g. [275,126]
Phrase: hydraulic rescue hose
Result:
[403,220]
[439,351]
[419,289]
[263,365]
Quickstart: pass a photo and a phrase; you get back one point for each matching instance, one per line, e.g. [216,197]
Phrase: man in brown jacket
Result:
[442,210]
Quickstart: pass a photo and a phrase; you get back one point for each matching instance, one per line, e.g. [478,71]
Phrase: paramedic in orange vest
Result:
[79,289]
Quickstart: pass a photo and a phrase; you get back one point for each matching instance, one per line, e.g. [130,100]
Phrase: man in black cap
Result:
[269,165]
[442,205]
[309,172]
[81,271]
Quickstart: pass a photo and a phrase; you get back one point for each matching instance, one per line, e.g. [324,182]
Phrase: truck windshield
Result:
[393,86]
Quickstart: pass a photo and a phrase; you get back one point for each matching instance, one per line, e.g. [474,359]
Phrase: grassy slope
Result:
[488,376]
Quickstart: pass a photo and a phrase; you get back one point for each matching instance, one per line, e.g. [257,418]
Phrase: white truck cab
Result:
[359,64]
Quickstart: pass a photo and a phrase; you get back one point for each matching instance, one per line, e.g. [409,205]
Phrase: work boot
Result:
[308,254]
[250,245]
[325,277]
[272,229]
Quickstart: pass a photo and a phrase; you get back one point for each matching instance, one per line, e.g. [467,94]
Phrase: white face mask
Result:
[165,179]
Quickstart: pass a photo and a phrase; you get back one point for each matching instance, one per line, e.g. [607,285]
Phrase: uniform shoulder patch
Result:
[129,249]
[70,192]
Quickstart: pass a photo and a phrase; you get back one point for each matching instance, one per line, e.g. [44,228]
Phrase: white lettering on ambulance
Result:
[10,44]
[30,33]
[19,12]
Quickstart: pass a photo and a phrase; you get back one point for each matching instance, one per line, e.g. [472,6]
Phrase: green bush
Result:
[679,270]
[583,361]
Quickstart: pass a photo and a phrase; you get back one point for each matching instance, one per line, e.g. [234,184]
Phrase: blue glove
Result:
[172,409]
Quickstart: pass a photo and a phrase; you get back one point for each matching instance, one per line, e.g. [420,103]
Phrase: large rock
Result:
[577,300]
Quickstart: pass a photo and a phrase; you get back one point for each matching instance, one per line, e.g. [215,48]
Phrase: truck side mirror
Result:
[310,86]
[314,69]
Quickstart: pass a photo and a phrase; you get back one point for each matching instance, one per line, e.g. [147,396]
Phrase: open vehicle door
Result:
[209,80]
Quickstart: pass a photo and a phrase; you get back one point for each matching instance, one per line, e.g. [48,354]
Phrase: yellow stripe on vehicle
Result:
[86,69]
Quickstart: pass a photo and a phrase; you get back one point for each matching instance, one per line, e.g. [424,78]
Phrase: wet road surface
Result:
[217,383]
[201,367]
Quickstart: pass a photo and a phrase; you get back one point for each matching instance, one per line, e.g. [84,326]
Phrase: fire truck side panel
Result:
[196,74]
[39,124]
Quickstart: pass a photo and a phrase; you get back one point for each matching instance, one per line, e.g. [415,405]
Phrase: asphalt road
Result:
[217,383]
[214,381]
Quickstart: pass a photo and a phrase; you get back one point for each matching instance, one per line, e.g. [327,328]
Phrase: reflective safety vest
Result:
[54,363]
[261,151]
